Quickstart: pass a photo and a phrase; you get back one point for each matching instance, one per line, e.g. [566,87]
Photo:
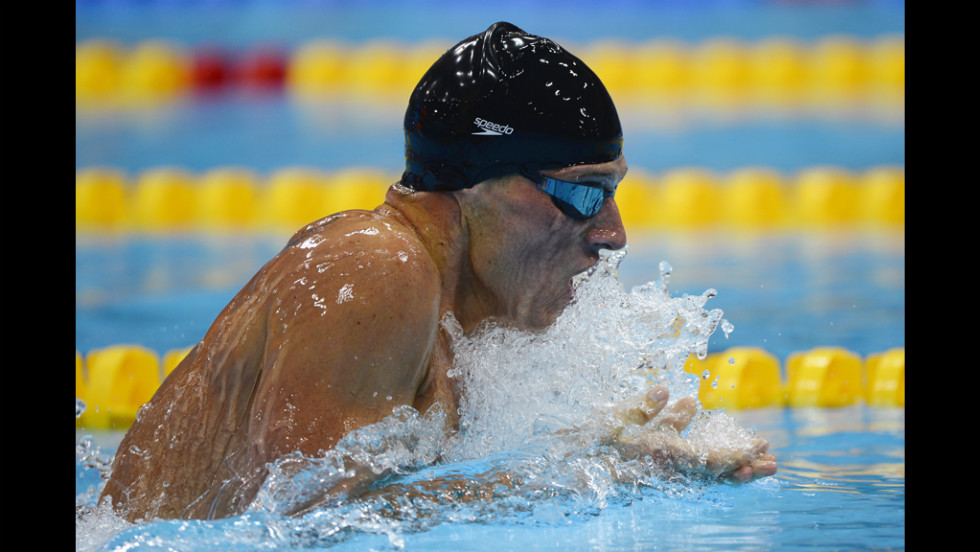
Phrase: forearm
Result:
[312,487]
[454,488]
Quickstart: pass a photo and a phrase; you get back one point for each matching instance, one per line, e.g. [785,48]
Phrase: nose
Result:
[607,231]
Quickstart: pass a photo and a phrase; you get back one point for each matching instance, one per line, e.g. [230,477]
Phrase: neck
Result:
[436,218]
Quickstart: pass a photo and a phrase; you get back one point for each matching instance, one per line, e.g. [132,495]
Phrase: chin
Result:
[547,313]
[540,324]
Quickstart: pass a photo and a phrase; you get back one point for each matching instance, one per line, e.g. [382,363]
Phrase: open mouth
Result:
[584,274]
[605,261]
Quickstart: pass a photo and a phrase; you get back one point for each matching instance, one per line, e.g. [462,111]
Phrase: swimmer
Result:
[513,152]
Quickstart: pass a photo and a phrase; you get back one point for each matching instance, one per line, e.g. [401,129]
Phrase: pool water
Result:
[841,479]
[841,486]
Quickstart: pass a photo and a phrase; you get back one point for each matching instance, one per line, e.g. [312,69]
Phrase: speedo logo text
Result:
[491,128]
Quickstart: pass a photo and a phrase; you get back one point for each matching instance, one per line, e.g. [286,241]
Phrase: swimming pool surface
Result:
[841,482]
[841,479]
[841,486]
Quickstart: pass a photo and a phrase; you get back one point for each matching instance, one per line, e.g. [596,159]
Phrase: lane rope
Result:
[172,199]
[114,381]
[778,70]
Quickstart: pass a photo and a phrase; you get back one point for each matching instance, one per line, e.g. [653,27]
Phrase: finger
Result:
[763,463]
[741,475]
[680,414]
[640,410]
[669,451]
[764,467]
[757,469]
[724,462]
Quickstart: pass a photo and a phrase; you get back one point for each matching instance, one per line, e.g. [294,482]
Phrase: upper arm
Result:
[352,325]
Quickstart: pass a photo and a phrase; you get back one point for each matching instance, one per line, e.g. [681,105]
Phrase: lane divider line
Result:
[115,381]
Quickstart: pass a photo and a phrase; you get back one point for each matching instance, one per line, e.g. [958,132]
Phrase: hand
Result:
[650,430]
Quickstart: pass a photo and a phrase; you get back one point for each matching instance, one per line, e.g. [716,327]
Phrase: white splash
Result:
[609,345]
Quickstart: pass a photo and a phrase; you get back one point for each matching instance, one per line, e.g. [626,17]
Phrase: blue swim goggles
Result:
[579,200]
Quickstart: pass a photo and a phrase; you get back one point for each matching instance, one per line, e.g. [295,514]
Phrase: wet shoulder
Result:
[364,248]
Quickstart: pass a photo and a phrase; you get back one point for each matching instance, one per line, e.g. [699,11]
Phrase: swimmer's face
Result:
[525,250]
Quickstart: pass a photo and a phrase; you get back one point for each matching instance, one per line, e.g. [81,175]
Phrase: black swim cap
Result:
[503,101]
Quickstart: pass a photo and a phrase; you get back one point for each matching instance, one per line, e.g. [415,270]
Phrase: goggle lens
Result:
[577,200]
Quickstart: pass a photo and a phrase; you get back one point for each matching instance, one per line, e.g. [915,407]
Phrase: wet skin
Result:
[524,251]
[661,440]
[342,326]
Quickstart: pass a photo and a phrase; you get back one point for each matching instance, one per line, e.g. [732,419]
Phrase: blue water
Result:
[841,486]
[274,132]
[291,22]
[841,483]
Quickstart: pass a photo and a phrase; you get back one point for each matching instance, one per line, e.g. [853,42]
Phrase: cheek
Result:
[523,233]
[542,239]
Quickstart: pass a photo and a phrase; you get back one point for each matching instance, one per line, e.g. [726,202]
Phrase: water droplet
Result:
[345,294]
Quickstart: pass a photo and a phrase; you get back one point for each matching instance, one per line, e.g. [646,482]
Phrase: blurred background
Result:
[766,144]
